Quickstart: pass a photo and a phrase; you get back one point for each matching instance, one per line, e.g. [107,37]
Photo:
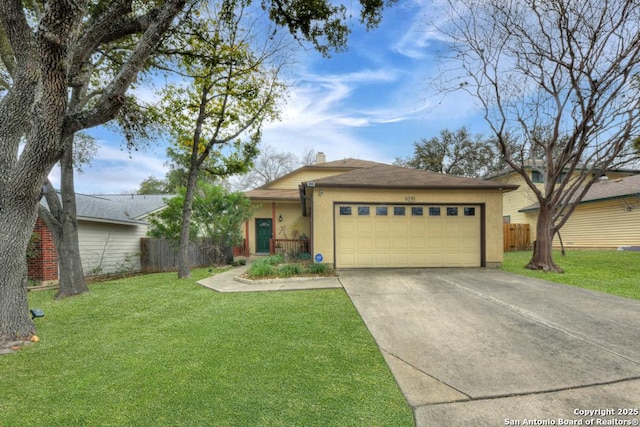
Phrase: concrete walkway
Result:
[482,347]
[229,281]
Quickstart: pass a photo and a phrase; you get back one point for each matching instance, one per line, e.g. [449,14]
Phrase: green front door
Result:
[263,235]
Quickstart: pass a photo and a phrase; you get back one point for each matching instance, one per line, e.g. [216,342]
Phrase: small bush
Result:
[319,268]
[261,269]
[272,260]
[304,256]
[288,270]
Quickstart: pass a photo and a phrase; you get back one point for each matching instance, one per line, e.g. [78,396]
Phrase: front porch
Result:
[290,247]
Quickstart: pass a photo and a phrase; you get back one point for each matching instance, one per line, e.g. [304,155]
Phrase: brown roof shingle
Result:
[388,176]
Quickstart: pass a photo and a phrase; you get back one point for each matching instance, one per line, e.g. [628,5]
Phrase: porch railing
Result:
[242,249]
[289,246]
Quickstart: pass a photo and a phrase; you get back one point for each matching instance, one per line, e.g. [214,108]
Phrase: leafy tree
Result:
[455,153]
[153,185]
[217,214]
[216,120]
[558,77]
[43,56]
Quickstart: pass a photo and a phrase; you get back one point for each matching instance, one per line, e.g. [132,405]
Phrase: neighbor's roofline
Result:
[509,171]
[112,221]
[536,206]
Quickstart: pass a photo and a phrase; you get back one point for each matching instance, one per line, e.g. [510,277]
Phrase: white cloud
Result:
[422,30]
[113,171]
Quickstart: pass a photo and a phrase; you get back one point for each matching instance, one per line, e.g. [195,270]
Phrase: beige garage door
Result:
[369,236]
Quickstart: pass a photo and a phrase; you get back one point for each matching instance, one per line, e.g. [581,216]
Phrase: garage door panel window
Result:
[452,211]
[363,210]
[434,211]
[345,210]
[469,211]
[399,211]
[416,211]
[381,211]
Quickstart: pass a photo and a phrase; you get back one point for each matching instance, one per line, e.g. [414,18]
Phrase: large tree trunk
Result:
[71,274]
[542,258]
[62,220]
[184,269]
[16,225]
[42,64]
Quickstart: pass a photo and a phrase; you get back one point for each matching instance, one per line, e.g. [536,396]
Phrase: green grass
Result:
[154,350]
[612,272]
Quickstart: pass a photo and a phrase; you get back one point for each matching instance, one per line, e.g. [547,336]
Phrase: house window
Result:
[537,177]
[398,211]
[363,210]
[345,210]
[381,210]
[561,177]
[452,211]
[416,211]
[434,211]
[506,219]
[469,211]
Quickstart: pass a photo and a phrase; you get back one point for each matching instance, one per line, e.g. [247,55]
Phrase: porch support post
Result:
[273,227]
[247,244]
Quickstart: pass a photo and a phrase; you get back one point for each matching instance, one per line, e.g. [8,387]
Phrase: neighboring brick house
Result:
[109,231]
[43,257]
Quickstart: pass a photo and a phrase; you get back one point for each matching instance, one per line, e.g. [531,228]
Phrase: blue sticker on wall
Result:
[319,258]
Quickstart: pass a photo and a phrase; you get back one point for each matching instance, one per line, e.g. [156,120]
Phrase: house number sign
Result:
[409,198]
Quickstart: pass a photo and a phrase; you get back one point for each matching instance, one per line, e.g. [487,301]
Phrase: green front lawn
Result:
[154,350]
[613,272]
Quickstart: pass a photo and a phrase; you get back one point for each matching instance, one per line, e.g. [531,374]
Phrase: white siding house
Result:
[110,228]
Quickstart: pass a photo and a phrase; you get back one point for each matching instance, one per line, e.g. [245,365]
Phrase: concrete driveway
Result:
[483,347]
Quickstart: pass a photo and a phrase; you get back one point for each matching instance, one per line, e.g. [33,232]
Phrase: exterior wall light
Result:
[280,218]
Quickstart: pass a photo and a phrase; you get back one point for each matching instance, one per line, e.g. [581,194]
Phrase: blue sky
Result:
[370,102]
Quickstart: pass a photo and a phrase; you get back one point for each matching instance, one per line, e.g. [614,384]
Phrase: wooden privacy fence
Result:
[157,255]
[516,237]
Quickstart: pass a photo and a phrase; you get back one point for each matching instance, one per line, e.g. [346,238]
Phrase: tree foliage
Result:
[560,79]
[455,153]
[217,214]
[153,185]
[215,120]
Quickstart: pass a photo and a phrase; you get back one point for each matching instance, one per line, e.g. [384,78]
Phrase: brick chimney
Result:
[320,158]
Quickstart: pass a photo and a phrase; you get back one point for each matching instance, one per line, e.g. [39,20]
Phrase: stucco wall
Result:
[324,199]
[295,178]
[293,224]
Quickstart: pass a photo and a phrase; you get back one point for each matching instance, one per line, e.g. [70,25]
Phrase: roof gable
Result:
[317,171]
